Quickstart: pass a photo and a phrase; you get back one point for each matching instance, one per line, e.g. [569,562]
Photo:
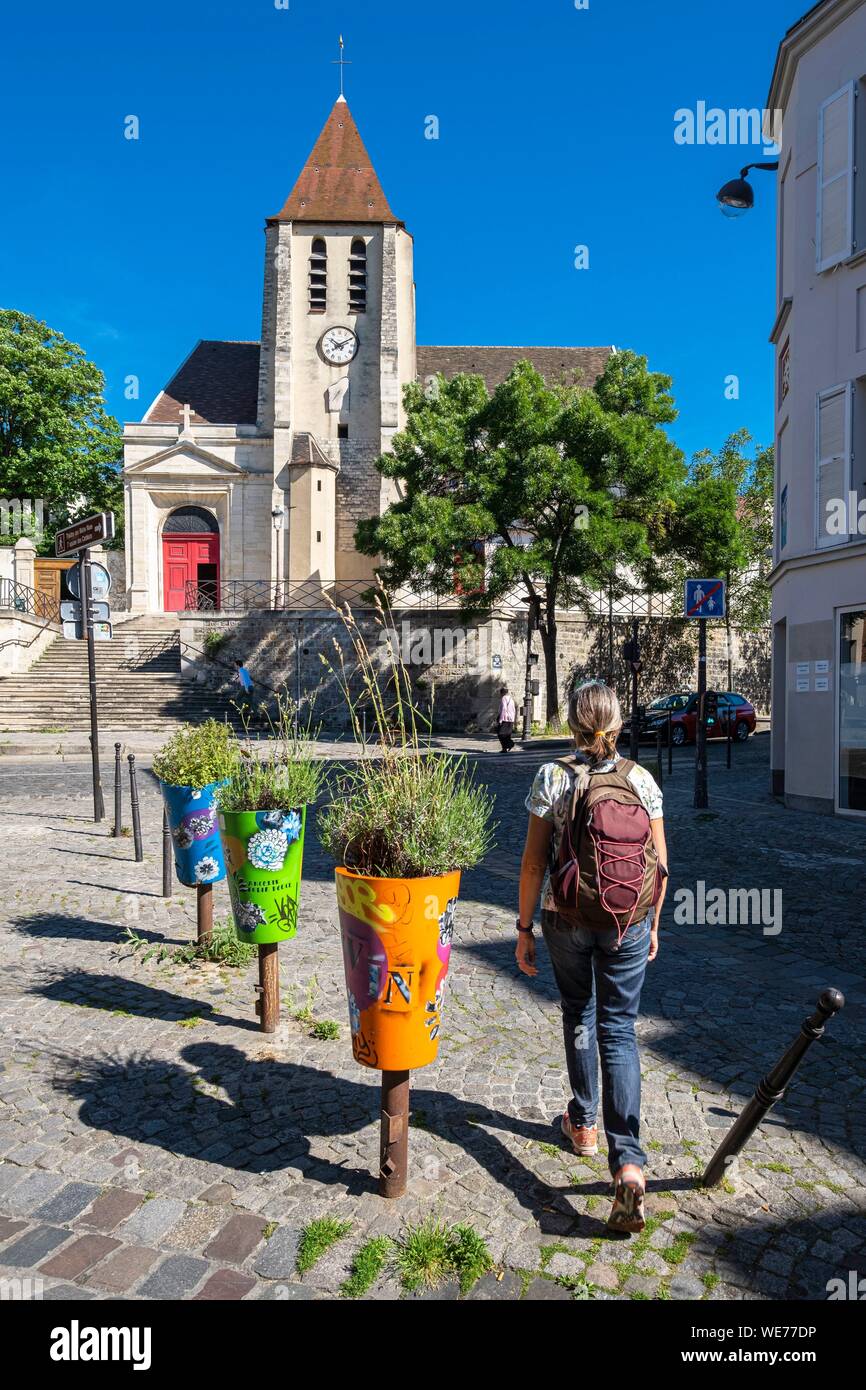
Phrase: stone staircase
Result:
[138,684]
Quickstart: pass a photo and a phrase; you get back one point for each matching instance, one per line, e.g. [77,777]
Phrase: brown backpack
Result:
[607,872]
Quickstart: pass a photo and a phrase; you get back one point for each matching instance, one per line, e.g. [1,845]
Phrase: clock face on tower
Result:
[339,345]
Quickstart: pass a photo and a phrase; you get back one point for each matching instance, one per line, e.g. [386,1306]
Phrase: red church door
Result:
[190,559]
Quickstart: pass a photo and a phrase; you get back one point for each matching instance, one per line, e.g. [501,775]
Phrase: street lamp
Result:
[278,516]
[738,196]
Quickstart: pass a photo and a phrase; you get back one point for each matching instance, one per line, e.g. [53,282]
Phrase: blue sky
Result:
[556,130]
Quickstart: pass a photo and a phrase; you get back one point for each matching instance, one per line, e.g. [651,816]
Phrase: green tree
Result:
[57,441]
[741,553]
[561,485]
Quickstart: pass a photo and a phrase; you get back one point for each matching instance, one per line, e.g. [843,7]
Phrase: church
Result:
[247,476]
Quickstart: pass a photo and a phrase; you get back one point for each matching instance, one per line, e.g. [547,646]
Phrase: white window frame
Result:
[851,89]
[837,728]
[823,541]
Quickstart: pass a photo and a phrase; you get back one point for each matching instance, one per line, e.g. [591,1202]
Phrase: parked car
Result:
[682,708]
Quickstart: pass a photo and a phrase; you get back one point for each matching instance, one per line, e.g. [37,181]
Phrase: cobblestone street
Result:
[156,1145]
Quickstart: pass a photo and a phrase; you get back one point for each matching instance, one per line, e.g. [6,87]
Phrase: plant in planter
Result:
[402,826]
[262,812]
[195,761]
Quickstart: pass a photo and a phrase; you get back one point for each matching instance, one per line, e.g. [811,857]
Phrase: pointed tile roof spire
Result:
[338,182]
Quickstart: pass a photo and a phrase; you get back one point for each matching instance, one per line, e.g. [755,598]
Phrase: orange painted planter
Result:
[396,946]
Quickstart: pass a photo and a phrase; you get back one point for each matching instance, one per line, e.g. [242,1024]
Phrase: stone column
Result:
[25,556]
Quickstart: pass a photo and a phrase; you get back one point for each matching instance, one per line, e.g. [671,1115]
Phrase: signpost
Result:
[631,653]
[77,538]
[704,598]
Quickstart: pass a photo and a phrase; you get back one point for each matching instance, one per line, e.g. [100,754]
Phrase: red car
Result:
[683,709]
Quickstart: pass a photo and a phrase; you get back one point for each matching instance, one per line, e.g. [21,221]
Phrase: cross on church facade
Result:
[185,412]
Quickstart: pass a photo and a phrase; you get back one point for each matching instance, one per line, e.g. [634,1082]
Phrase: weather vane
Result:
[341,63]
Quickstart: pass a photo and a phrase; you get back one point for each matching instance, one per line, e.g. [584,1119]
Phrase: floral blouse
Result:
[550,798]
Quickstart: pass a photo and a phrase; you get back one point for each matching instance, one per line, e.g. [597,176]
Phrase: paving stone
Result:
[152,1219]
[288,1292]
[493,1287]
[110,1208]
[32,1191]
[560,1264]
[176,1277]
[279,1257]
[237,1239]
[9,1228]
[226,1284]
[603,1276]
[687,1286]
[66,1293]
[123,1269]
[29,1249]
[75,1258]
[546,1289]
[68,1203]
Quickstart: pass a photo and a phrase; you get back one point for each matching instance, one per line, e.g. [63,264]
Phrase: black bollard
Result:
[136,816]
[118,793]
[729,736]
[659,754]
[166,855]
[670,744]
[773,1086]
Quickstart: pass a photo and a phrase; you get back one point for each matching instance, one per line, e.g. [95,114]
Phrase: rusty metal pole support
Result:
[118,792]
[268,988]
[203,910]
[136,813]
[394,1143]
[166,855]
[771,1089]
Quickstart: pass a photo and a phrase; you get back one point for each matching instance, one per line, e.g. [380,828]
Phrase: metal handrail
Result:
[20,598]
[244,595]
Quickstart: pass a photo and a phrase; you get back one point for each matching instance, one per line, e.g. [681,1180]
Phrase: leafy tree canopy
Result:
[57,441]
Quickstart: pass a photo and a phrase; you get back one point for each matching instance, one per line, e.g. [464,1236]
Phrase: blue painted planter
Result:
[192,819]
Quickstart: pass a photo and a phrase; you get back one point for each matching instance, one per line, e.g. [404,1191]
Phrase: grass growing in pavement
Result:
[326,1030]
[317,1237]
[367,1265]
[221,947]
[431,1252]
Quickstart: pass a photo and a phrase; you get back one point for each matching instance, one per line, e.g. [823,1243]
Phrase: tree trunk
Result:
[547,628]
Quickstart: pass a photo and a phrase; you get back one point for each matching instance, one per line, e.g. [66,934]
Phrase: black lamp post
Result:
[738,196]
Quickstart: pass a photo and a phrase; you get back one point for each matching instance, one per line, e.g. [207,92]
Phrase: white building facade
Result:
[819,574]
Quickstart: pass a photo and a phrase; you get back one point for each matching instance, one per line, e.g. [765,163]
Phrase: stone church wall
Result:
[458,668]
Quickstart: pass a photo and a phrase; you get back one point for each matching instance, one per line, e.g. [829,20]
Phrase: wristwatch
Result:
[526,931]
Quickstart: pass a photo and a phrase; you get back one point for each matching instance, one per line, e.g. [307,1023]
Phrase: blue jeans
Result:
[600,990]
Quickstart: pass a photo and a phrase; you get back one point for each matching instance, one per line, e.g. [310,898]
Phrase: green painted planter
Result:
[264,852]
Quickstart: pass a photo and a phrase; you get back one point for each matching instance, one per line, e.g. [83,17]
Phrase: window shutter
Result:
[833,449]
[835,239]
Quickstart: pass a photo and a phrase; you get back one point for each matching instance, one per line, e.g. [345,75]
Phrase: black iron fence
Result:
[246,595]
[20,598]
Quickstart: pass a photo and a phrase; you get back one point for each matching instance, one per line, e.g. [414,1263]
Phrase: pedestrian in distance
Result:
[595,852]
[505,720]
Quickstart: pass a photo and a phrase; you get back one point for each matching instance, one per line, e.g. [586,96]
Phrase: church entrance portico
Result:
[190,555]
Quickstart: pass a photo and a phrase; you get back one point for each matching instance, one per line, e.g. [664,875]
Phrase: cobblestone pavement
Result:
[155,1145]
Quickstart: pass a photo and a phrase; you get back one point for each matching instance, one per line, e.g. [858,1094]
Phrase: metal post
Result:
[166,855]
[394,1139]
[136,814]
[773,1086]
[702,799]
[268,1002]
[633,732]
[729,738]
[298,642]
[203,911]
[86,587]
[659,754]
[118,792]
[670,743]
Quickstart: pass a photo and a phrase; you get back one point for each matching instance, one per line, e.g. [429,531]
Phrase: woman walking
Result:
[505,721]
[595,850]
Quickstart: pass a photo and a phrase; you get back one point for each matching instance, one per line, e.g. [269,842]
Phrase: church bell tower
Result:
[338,345]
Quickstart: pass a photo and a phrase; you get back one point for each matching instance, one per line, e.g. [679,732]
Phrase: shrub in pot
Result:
[196,760]
[262,814]
[402,826]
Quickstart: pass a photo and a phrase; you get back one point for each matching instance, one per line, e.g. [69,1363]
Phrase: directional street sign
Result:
[71,612]
[705,598]
[89,531]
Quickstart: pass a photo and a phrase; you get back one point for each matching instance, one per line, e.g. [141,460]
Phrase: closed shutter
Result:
[833,450]
[835,238]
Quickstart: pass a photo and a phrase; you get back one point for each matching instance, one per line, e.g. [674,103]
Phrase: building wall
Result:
[824,336]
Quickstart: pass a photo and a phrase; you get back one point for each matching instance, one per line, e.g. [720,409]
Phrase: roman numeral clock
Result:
[339,346]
